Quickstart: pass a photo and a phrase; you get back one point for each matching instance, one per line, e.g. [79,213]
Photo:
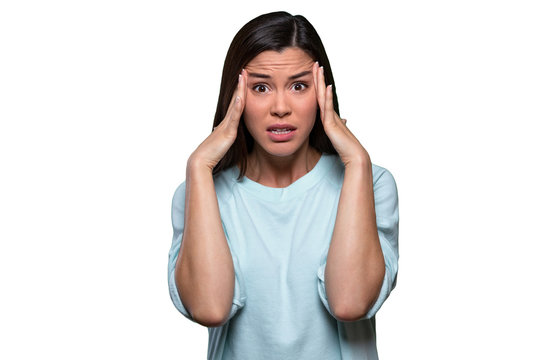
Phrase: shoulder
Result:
[224,182]
[179,195]
[336,171]
[382,177]
[385,194]
[383,180]
[178,204]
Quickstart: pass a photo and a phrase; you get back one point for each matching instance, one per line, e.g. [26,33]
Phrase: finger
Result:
[314,73]
[233,98]
[328,102]
[321,88]
[240,99]
[236,106]
[317,85]
[245,79]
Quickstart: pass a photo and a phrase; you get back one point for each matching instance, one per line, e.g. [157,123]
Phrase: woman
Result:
[285,234]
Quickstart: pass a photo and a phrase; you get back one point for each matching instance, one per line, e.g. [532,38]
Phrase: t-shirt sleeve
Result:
[177,215]
[386,209]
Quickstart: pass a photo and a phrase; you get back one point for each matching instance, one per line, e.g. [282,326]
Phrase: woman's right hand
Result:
[216,145]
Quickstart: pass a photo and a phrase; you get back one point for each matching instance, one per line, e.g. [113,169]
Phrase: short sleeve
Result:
[177,215]
[387,213]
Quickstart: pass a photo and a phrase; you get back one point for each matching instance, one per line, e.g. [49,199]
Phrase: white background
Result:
[102,102]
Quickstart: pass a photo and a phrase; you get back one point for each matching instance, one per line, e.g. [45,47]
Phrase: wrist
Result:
[196,166]
[359,163]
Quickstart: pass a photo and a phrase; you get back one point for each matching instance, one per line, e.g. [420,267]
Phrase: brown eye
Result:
[260,88]
[299,86]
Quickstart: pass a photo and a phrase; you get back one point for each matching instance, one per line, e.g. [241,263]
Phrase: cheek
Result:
[254,109]
[307,108]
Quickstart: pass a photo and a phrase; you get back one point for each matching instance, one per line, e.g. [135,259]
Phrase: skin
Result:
[273,97]
[355,264]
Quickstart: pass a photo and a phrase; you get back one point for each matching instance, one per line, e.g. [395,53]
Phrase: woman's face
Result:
[280,94]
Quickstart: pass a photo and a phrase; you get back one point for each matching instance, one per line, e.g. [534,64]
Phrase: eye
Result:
[299,86]
[260,88]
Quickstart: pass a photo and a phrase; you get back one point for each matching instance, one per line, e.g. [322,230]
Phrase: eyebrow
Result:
[292,77]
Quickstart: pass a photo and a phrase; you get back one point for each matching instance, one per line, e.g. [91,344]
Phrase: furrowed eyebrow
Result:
[299,75]
[292,77]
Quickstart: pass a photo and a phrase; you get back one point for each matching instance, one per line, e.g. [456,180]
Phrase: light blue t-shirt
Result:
[279,240]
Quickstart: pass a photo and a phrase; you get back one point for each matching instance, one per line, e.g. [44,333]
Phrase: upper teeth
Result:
[281,131]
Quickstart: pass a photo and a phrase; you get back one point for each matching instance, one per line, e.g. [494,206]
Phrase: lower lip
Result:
[281,137]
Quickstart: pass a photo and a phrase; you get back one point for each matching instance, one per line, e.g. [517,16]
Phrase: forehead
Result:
[288,60]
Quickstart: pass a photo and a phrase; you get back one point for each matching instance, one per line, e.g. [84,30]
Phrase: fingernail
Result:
[237,99]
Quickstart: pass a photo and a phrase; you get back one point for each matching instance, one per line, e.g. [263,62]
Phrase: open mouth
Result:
[280,131]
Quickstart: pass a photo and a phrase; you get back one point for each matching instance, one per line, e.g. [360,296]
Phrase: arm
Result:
[355,264]
[204,271]
[361,266]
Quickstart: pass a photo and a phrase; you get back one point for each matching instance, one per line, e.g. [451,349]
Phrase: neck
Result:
[280,171]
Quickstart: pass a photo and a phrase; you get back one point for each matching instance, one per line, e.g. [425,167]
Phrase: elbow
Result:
[352,312]
[209,313]
[357,306]
[209,318]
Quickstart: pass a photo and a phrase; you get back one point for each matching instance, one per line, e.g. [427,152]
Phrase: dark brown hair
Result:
[274,31]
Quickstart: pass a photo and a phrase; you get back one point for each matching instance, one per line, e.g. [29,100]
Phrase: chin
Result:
[281,149]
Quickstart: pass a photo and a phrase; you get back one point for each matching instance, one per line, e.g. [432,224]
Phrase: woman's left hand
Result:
[346,144]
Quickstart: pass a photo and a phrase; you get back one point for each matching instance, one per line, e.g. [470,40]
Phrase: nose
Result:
[280,106]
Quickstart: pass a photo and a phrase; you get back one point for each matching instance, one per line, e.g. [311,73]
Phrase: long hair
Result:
[273,31]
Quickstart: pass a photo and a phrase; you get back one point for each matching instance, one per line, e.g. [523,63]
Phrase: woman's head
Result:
[270,33]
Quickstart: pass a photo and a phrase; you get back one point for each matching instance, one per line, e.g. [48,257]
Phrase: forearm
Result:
[204,270]
[355,263]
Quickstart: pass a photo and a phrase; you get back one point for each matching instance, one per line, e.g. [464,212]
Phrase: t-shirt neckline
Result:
[298,187]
